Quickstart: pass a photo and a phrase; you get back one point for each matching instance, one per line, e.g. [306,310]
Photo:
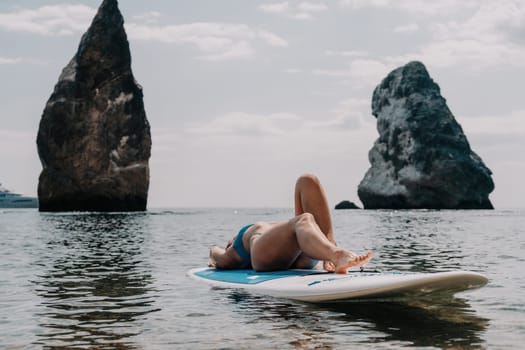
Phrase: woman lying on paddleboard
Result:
[294,244]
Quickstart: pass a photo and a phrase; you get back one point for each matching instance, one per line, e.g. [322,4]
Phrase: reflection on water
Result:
[443,323]
[117,281]
[416,241]
[437,323]
[96,282]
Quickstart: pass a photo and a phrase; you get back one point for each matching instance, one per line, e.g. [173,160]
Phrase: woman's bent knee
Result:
[302,220]
[308,180]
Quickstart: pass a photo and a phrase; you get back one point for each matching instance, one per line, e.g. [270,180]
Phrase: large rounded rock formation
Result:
[422,158]
[94,139]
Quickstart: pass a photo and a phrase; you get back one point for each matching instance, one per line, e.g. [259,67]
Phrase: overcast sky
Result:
[244,96]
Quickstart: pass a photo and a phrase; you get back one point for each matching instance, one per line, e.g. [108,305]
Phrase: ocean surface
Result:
[118,281]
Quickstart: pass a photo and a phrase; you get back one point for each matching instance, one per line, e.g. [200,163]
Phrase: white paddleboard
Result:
[321,286]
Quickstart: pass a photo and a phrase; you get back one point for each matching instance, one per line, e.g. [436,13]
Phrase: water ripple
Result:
[96,284]
[117,281]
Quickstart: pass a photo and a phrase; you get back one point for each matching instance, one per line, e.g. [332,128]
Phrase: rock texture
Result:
[94,139]
[422,158]
[346,205]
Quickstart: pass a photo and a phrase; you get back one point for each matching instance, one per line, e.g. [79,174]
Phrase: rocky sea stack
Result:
[94,139]
[422,158]
[346,205]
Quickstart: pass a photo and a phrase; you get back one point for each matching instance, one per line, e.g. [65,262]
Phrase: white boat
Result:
[9,199]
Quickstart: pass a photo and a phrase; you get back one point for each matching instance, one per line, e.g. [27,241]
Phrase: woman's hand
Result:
[212,262]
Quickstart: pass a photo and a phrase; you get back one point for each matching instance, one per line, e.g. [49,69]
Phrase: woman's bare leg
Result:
[275,249]
[315,244]
[279,247]
[310,198]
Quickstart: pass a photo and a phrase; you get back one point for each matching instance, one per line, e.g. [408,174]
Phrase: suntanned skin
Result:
[310,197]
[295,243]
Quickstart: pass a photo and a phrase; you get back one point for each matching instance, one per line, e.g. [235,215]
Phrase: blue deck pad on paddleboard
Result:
[251,276]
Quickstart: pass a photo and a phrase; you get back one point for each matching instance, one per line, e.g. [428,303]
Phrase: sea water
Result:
[118,281]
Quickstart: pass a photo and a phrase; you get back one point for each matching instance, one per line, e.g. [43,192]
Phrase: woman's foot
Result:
[345,259]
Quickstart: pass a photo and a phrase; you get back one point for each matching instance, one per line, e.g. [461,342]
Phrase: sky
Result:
[244,96]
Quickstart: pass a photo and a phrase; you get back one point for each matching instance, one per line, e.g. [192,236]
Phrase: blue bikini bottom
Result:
[238,246]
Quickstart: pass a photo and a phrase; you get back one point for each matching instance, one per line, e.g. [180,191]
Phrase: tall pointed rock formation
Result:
[422,158]
[94,138]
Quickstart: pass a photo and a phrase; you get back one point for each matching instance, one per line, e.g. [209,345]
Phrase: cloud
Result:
[368,69]
[418,7]
[247,124]
[7,60]
[272,39]
[409,28]
[151,17]
[304,10]
[206,36]
[351,113]
[276,8]
[48,20]
[200,167]
[492,21]
[364,3]
[354,111]
[20,60]
[513,122]
[473,54]
[217,41]
[486,39]
[312,7]
[360,71]
[489,37]
[351,53]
